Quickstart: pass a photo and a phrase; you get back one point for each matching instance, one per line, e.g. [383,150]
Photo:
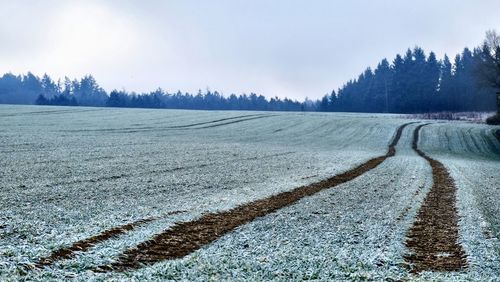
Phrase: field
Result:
[114,194]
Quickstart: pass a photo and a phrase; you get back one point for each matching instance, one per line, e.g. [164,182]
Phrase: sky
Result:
[283,48]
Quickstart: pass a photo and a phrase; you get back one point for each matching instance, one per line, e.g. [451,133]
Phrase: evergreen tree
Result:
[444,100]
[431,75]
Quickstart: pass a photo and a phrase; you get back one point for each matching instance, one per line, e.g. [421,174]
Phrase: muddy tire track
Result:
[85,244]
[186,237]
[433,238]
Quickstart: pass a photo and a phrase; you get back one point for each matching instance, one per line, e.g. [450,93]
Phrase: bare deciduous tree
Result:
[492,40]
[489,68]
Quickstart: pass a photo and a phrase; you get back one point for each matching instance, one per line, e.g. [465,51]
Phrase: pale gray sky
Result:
[271,47]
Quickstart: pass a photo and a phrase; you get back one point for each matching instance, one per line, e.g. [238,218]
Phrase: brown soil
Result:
[433,238]
[84,245]
[187,237]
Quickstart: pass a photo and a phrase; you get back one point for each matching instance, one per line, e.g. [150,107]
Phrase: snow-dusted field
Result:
[71,173]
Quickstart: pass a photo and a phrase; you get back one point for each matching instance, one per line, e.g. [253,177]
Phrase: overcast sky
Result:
[271,47]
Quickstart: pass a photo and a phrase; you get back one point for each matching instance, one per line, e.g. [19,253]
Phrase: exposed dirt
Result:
[186,237]
[84,245]
[433,238]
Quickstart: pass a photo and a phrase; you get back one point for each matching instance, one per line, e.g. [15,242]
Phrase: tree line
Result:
[30,89]
[411,83]
[419,83]
[207,100]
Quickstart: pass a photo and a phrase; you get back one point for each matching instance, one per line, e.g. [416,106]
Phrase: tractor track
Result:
[199,125]
[234,121]
[186,237]
[433,238]
[85,244]
[215,121]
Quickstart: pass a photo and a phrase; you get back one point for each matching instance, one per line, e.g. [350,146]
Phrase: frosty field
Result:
[70,174]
